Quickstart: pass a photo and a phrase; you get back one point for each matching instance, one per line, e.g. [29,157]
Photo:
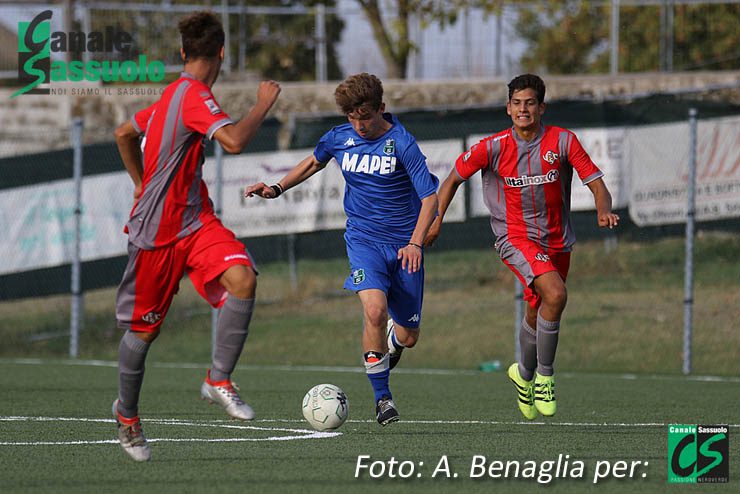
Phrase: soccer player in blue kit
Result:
[390,200]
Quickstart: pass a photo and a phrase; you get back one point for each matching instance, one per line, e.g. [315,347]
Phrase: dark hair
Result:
[528,81]
[202,35]
[359,91]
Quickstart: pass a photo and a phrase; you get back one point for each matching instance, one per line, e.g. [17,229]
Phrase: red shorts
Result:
[528,260]
[152,277]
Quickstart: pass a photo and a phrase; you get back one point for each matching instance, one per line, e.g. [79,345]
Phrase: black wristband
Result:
[277,189]
[416,245]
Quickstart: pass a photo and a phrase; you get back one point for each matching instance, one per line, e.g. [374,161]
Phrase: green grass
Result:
[624,314]
[458,415]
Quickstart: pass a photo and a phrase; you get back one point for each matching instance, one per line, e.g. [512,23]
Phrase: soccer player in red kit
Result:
[173,230]
[526,174]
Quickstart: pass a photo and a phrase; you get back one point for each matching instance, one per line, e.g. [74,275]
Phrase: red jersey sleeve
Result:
[581,161]
[201,113]
[141,118]
[476,158]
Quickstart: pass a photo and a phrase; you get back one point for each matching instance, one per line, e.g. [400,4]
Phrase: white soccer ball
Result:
[325,407]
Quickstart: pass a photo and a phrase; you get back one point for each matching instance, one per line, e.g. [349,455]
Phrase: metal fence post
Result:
[688,303]
[242,62]
[292,265]
[320,20]
[614,39]
[226,67]
[75,318]
[467,43]
[497,50]
[669,41]
[217,202]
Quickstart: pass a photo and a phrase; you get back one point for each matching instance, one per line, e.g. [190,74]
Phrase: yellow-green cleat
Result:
[525,392]
[544,394]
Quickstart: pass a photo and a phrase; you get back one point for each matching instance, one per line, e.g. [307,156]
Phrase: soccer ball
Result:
[325,407]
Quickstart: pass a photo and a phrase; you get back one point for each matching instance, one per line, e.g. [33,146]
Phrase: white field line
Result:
[498,422]
[301,433]
[317,368]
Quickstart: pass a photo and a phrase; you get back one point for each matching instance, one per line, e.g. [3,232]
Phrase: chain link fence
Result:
[297,239]
[293,41]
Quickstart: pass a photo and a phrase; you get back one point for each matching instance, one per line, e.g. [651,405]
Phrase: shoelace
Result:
[134,434]
[231,392]
[546,389]
[529,396]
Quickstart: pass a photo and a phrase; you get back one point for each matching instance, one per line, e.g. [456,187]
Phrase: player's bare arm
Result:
[603,201]
[304,170]
[410,255]
[446,192]
[127,138]
[234,138]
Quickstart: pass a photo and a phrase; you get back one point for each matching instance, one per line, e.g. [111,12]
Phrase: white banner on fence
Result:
[603,145]
[38,222]
[659,157]
[313,205]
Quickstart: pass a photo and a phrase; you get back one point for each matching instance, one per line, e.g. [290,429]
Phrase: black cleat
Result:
[385,411]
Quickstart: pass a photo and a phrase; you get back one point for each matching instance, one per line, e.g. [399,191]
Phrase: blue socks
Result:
[378,370]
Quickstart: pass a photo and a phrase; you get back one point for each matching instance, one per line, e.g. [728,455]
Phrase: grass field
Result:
[618,367]
[624,314]
[56,433]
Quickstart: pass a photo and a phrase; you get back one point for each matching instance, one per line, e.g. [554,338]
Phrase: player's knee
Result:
[556,296]
[242,284]
[147,336]
[410,338]
[375,315]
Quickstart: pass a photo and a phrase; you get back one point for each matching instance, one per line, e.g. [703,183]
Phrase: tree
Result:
[562,41]
[393,36]
[279,46]
[282,47]
[573,38]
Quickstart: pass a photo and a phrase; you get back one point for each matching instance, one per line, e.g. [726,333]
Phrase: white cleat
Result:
[132,437]
[394,352]
[225,394]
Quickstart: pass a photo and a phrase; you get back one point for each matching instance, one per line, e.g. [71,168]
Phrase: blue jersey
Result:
[386,180]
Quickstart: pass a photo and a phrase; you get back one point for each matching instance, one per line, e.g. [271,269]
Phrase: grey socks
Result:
[131,356]
[528,351]
[547,343]
[232,331]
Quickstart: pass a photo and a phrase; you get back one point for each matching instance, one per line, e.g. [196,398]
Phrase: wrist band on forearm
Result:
[416,245]
[277,189]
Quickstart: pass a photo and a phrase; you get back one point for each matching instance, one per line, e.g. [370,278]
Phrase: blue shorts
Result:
[377,266]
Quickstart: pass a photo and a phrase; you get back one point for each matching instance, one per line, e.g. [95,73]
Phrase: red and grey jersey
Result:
[526,185]
[174,200]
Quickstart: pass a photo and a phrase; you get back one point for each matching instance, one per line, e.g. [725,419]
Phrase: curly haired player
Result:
[390,201]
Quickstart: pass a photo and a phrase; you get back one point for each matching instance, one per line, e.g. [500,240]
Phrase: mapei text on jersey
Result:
[369,163]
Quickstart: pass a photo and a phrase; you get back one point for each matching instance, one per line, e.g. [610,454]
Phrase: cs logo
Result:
[698,454]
